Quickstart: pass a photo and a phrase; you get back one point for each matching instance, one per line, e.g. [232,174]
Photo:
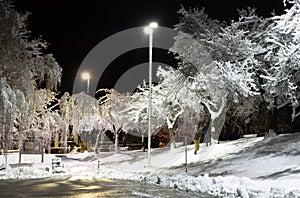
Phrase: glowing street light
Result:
[86,76]
[149,30]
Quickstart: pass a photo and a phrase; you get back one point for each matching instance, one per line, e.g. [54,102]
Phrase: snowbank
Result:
[220,186]
[25,172]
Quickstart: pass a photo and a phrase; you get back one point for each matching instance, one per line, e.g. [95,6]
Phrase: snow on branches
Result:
[80,110]
[248,57]
[26,69]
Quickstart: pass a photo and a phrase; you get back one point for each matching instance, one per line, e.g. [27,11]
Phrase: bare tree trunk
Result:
[116,140]
[5,143]
[97,141]
[143,142]
[172,139]
[272,119]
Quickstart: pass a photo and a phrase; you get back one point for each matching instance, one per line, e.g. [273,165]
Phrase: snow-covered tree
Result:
[219,61]
[21,116]
[165,109]
[170,98]
[136,110]
[82,113]
[277,58]
[79,110]
[280,75]
[113,105]
[178,98]
[252,56]
[22,61]
[45,123]
[26,69]
[7,106]
[249,57]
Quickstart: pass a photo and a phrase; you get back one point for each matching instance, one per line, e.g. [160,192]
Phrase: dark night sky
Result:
[72,28]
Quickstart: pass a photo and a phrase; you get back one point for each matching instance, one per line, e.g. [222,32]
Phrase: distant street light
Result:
[86,76]
[149,30]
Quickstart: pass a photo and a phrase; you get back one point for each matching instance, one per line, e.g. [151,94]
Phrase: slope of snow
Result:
[248,167]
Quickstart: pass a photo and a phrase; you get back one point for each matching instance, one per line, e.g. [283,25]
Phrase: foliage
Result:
[28,77]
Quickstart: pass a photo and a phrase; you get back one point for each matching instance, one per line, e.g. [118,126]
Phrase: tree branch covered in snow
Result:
[26,69]
[248,57]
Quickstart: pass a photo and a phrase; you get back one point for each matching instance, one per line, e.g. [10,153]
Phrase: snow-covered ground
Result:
[248,167]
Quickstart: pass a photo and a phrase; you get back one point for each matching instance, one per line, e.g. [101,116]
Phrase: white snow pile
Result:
[248,167]
[227,186]
[220,186]
[30,168]
[24,173]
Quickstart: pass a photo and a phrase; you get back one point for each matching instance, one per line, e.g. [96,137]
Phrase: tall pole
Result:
[86,76]
[150,97]
[149,30]
[87,86]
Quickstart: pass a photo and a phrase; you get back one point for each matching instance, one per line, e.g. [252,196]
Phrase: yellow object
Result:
[82,147]
[56,143]
[197,145]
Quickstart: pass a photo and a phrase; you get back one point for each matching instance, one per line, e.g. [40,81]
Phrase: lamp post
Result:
[149,30]
[86,76]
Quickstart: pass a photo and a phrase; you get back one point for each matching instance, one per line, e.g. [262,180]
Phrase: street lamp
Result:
[86,76]
[149,30]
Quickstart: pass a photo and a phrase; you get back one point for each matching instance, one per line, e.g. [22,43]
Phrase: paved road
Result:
[66,187]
